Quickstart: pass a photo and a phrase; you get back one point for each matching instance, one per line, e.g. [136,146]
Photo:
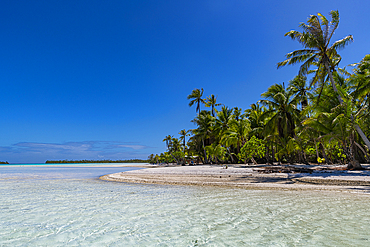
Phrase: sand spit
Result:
[319,178]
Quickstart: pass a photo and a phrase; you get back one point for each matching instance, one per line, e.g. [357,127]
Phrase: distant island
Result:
[4,162]
[95,161]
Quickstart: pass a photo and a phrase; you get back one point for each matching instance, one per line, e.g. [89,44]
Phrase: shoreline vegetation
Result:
[322,116]
[94,161]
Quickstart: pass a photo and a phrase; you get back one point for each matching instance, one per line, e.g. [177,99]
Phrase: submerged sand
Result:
[249,177]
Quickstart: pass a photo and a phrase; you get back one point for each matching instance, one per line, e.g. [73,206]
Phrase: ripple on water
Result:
[96,213]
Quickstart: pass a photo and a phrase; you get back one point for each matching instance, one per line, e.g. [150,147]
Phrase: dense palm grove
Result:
[320,116]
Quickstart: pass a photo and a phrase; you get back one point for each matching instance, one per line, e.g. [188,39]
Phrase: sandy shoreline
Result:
[248,177]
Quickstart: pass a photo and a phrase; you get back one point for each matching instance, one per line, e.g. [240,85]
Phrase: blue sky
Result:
[109,79]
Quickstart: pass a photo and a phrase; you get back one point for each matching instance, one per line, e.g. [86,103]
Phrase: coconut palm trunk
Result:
[205,153]
[231,155]
[357,127]
[315,38]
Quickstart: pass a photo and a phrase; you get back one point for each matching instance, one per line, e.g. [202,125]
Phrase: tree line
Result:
[321,116]
[95,161]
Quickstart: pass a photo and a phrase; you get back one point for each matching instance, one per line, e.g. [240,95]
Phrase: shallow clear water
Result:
[56,207]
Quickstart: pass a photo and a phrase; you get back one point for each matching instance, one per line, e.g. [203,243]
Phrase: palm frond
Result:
[333,23]
[315,29]
[191,103]
[299,52]
[294,60]
[340,44]
[293,34]
[307,64]
[325,23]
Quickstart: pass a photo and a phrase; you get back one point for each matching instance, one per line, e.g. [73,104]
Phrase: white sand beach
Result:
[319,177]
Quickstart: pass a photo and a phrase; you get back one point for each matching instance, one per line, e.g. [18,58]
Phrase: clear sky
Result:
[87,79]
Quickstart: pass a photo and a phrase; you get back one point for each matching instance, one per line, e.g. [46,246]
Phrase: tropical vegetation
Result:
[321,116]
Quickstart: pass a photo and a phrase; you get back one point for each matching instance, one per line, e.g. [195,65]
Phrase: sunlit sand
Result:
[248,177]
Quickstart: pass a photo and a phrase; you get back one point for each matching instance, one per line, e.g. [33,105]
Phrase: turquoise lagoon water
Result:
[58,206]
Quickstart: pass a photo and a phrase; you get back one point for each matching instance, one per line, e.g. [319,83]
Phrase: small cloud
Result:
[135,147]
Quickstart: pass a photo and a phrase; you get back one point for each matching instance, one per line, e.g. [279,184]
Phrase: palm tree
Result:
[196,98]
[216,152]
[211,102]
[320,124]
[205,123]
[282,115]
[315,38]
[255,117]
[183,134]
[222,122]
[237,133]
[172,146]
[332,122]
[168,140]
[298,87]
[237,113]
[361,80]
[282,110]
[175,145]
